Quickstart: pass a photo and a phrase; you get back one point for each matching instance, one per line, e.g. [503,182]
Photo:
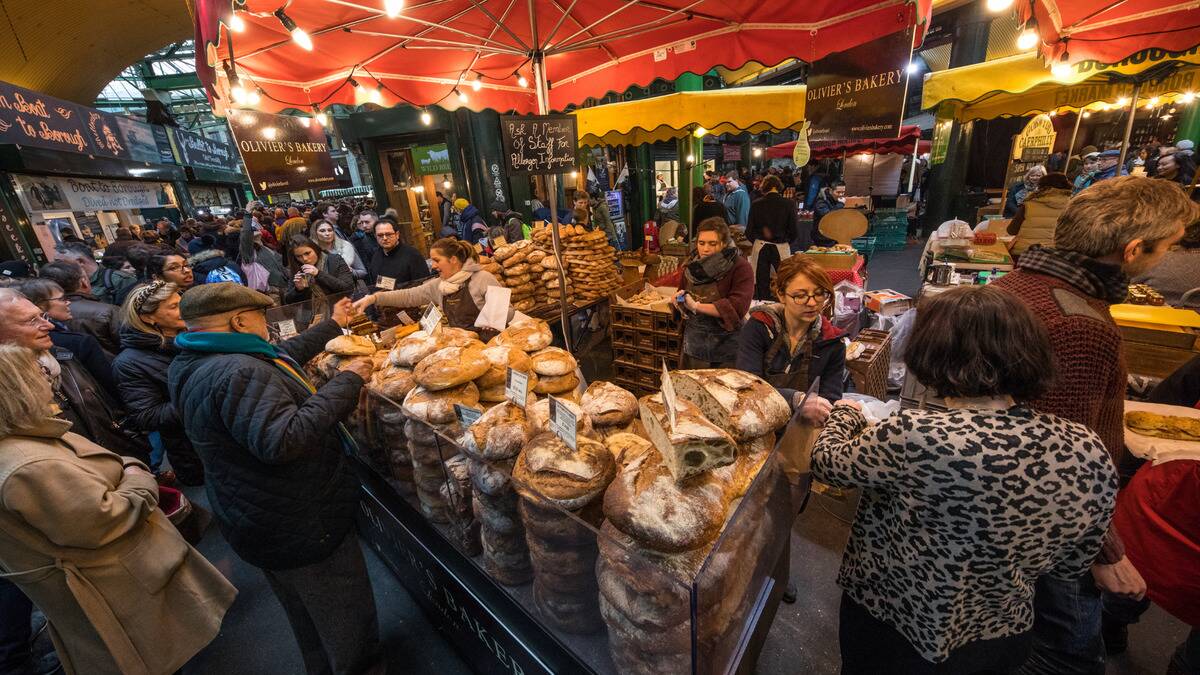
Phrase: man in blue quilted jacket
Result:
[277,464]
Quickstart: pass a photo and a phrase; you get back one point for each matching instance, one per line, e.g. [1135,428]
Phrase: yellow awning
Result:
[720,111]
[1022,85]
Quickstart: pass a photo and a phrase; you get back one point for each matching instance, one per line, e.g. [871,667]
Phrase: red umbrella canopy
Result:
[1110,30]
[429,49]
[902,144]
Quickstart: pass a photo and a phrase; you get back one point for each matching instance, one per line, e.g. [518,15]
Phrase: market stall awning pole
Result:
[543,102]
[912,167]
[1133,102]
[1074,134]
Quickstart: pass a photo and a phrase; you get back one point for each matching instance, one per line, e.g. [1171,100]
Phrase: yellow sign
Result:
[802,152]
[1035,141]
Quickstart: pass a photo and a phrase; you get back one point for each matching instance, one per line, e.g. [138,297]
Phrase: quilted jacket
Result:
[279,481]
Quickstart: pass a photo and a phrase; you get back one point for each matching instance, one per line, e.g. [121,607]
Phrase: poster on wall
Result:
[145,142]
[281,153]
[193,149]
[43,193]
[36,120]
[431,160]
[859,92]
[209,196]
[539,144]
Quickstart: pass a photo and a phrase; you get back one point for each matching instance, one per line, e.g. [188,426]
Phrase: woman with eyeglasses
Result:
[172,269]
[791,343]
[315,272]
[50,298]
[151,322]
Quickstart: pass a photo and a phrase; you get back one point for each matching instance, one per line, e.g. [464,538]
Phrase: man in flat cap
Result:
[277,460]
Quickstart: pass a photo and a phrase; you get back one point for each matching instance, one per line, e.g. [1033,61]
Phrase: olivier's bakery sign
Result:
[859,93]
[282,153]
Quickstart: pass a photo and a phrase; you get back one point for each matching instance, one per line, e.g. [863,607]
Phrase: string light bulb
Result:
[269,133]
[699,132]
[237,91]
[306,122]
[997,6]
[426,118]
[376,95]
[1123,101]
[912,68]
[446,185]
[392,7]
[298,35]
[1189,96]
[522,82]
[691,159]
[236,23]
[477,84]
[1061,70]
[320,115]
[1028,39]
[1086,114]
[757,152]
[462,96]
[254,96]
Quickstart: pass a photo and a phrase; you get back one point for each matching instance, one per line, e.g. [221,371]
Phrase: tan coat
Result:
[123,592]
[1041,219]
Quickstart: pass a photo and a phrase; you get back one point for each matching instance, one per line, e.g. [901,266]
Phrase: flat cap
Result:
[226,296]
[1111,153]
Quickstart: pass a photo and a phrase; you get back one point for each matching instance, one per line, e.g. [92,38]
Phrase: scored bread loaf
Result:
[568,478]
[391,382]
[751,456]
[451,367]
[499,433]
[694,445]
[350,345]
[742,403]
[626,447]
[411,349]
[529,335]
[553,361]
[495,393]
[501,358]
[539,415]
[558,384]
[608,405]
[437,407]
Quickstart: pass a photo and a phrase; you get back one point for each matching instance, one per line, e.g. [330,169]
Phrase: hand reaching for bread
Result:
[342,312]
[359,365]
[816,409]
[363,303]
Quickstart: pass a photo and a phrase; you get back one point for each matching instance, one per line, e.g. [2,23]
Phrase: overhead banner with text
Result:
[43,193]
[37,120]
[859,93]
[282,153]
[196,150]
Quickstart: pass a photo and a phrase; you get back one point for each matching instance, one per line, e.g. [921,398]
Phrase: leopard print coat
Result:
[961,512]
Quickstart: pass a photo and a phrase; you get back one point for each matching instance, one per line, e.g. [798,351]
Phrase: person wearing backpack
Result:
[116,278]
[210,267]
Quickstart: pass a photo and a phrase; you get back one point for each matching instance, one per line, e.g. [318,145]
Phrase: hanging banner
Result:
[802,151]
[281,153]
[40,121]
[192,149]
[860,92]
[731,153]
[539,144]
[43,193]
[146,142]
[431,160]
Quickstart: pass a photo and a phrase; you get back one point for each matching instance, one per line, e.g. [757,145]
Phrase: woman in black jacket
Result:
[152,321]
[315,272]
[772,216]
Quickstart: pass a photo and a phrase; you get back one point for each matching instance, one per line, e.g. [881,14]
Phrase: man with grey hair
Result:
[1108,233]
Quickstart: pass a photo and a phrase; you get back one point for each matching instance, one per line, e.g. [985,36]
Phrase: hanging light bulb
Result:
[521,81]
[237,91]
[306,122]
[236,24]
[1152,103]
[1123,101]
[320,115]
[691,159]
[997,6]
[269,133]
[377,95]
[462,96]
[426,118]
[1028,39]
[1086,114]
[446,185]
[254,97]
[699,132]
[1189,96]
[1061,70]
[757,152]
[574,175]
[477,84]
[298,35]
[393,7]
[912,68]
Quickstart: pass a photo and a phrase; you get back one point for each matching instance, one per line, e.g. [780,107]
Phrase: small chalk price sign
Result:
[431,320]
[287,329]
[516,387]
[668,392]
[467,416]
[562,422]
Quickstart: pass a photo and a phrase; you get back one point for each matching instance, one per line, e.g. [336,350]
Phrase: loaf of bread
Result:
[500,358]
[391,382]
[539,416]
[437,407]
[529,335]
[568,478]
[495,393]
[553,361]
[646,502]
[626,447]
[751,455]
[557,384]
[608,405]
[742,403]
[499,433]
[693,446]
[451,367]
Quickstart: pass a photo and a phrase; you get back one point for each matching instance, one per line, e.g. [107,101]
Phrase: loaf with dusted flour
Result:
[693,446]
[744,404]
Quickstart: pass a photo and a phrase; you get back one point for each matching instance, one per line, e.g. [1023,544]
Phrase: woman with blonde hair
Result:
[459,289]
[82,537]
[151,322]
[324,234]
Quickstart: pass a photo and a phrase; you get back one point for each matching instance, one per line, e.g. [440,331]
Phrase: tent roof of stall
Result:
[1021,85]
[1106,31]
[719,111]
[901,144]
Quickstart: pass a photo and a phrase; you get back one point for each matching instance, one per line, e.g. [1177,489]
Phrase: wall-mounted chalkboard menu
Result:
[539,144]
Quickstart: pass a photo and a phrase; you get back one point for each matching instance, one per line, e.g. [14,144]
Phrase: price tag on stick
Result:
[404,318]
[466,416]
[668,393]
[562,422]
[287,329]
[516,387]
[431,320]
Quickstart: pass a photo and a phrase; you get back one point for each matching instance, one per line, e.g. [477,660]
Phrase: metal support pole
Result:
[1137,87]
[1074,135]
[543,101]
[912,167]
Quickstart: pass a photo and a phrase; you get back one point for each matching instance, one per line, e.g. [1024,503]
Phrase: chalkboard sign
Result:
[539,144]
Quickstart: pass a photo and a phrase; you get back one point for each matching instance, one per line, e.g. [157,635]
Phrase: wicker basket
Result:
[870,370]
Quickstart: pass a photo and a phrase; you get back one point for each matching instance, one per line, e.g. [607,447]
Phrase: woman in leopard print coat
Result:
[963,509]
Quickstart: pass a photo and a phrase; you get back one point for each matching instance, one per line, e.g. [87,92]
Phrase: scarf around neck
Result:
[711,269]
[1100,280]
[454,283]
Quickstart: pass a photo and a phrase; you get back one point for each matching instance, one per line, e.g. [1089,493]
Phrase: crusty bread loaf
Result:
[609,405]
[539,416]
[501,358]
[451,367]
[557,384]
[626,447]
[529,335]
[350,345]
[553,361]
[750,458]
[437,407]
[694,446]
[499,433]
[495,393]
[742,403]
[392,382]
[568,478]
[645,502]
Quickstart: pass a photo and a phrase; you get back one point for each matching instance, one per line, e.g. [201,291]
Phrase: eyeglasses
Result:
[802,297]
[385,235]
[61,298]
[37,321]
[174,268]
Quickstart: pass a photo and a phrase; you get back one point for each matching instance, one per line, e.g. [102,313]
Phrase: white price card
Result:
[431,320]
[516,387]
[562,422]
[287,329]
[466,416]
[385,283]
[668,392]
[405,319]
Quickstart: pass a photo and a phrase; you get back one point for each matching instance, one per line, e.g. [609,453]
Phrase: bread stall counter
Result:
[547,525]
[1157,340]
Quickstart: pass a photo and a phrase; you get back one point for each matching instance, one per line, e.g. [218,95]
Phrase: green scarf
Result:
[226,343]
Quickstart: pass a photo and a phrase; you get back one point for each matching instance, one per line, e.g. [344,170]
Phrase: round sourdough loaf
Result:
[498,434]
[392,382]
[451,367]
[568,478]
[529,335]
[500,359]
[556,385]
[742,403]
[553,361]
[608,404]
[437,407]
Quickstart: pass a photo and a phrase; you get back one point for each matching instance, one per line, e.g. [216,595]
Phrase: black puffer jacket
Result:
[141,373]
[278,479]
[98,319]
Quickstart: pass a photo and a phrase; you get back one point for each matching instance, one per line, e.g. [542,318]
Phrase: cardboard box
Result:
[834,261]
[887,302]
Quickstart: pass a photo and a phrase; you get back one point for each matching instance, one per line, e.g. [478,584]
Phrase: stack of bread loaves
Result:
[611,409]
[360,422]
[590,265]
[551,477]
[666,508]
[385,390]
[518,266]
[555,369]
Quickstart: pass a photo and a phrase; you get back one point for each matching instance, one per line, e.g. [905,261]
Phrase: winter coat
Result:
[365,246]
[471,225]
[248,252]
[98,319]
[333,277]
[111,286]
[1039,218]
[123,592]
[403,264]
[141,373]
[92,411]
[737,206]
[705,210]
[772,212]
[211,266]
[277,476]
[349,254]
[87,351]
[828,355]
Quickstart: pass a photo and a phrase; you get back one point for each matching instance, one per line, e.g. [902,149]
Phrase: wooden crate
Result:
[870,370]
